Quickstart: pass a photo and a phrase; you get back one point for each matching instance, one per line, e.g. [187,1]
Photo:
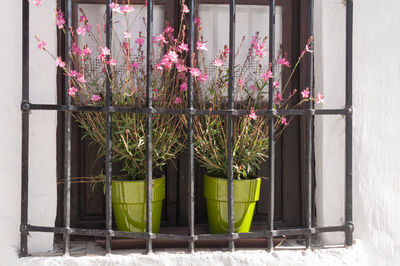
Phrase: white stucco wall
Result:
[376,141]
[42,164]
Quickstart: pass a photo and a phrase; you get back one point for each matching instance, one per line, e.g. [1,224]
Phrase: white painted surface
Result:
[376,143]
[352,256]
[42,164]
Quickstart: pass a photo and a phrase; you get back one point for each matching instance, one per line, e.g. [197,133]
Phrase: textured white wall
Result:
[376,142]
[376,128]
[376,139]
[42,164]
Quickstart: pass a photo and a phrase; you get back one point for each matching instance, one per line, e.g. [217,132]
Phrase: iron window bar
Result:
[190,112]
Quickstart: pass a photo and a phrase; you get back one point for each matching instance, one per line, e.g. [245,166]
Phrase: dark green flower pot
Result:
[129,204]
[245,195]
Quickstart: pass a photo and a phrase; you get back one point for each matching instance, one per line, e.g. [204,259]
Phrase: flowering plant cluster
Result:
[125,69]
[250,138]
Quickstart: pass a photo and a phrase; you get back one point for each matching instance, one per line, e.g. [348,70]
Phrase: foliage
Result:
[125,70]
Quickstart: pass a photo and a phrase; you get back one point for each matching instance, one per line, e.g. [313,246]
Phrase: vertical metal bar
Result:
[67,135]
[190,128]
[232,21]
[309,125]
[108,133]
[149,144]
[349,124]
[25,129]
[271,143]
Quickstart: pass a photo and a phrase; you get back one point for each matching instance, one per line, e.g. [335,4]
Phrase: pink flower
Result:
[59,62]
[278,98]
[127,35]
[203,77]
[183,86]
[60,21]
[183,47]
[135,65]
[253,88]
[305,93]
[126,9]
[185,9]
[161,40]
[181,67]
[96,98]
[172,56]
[169,29]
[87,51]
[112,62]
[320,98]
[197,21]
[218,62]
[159,67]
[81,30]
[178,100]
[240,82]
[114,7]
[41,45]
[275,83]
[307,49]
[73,73]
[226,51]
[139,41]
[253,115]
[266,76]
[88,27]
[201,46]
[37,2]
[166,61]
[195,72]
[83,18]
[260,50]
[104,52]
[76,49]
[82,80]
[283,61]
[283,121]
[72,91]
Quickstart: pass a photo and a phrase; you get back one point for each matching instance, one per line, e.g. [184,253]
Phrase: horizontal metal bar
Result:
[135,235]
[184,111]
[104,233]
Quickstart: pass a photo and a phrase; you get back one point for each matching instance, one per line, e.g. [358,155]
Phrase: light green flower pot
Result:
[129,204]
[245,195]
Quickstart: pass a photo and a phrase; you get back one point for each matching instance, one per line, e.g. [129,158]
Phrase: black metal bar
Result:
[25,128]
[67,133]
[185,111]
[271,107]
[190,129]
[309,126]
[349,124]
[136,235]
[232,25]
[149,144]
[108,143]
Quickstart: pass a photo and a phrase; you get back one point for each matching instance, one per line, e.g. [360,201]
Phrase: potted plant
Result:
[92,65]
[250,137]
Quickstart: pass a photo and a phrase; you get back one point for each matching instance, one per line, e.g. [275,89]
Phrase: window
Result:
[88,213]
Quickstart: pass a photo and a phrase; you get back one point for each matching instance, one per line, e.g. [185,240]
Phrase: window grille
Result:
[190,112]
